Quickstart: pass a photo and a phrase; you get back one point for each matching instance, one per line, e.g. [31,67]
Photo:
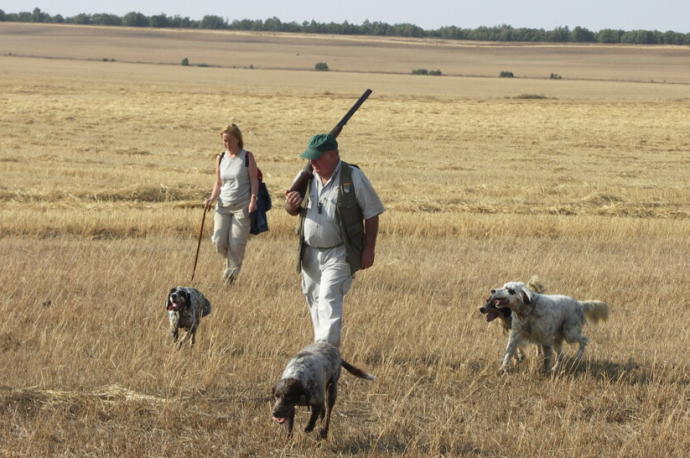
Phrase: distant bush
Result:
[531,96]
[184,62]
[555,76]
[202,65]
[321,67]
[505,74]
[424,71]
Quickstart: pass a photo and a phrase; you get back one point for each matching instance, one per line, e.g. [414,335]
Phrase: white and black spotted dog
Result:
[546,320]
[186,306]
[311,379]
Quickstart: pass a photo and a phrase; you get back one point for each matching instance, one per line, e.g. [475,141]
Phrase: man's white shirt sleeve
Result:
[367,198]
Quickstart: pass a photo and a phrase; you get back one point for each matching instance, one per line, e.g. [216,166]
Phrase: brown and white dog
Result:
[311,379]
[546,320]
[186,306]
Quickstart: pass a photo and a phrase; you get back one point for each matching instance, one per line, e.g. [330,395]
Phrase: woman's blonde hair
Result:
[233,130]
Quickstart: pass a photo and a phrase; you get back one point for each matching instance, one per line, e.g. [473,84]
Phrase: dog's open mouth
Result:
[279,420]
[173,306]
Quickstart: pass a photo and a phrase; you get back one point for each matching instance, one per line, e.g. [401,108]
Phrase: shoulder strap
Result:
[346,174]
[259,174]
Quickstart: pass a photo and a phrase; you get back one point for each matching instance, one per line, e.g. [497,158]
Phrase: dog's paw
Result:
[309,428]
[323,433]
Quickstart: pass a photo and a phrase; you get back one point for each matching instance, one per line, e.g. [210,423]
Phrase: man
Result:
[339,222]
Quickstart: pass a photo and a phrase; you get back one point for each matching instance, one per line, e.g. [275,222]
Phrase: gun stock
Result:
[300,184]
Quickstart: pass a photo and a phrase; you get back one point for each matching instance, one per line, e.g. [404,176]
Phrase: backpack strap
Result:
[259,173]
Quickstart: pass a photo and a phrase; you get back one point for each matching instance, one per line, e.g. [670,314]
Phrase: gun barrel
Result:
[300,184]
[338,127]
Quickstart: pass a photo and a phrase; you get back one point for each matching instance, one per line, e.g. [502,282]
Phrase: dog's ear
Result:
[304,396]
[526,295]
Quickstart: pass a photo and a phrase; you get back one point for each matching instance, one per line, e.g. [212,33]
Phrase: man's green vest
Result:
[348,217]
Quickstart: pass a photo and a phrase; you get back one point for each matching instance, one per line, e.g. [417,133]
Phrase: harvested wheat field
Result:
[583,182]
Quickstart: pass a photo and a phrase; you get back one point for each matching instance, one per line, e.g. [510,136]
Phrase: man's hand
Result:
[367,259]
[371,231]
[292,202]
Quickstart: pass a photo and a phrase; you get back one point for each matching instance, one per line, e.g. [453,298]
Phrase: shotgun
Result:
[300,184]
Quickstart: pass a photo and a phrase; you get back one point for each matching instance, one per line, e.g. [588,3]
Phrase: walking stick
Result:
[201,231]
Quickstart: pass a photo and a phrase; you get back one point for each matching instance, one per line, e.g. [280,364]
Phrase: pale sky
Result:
[429,14]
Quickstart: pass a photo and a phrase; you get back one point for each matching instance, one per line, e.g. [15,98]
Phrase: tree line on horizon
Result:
[273,24]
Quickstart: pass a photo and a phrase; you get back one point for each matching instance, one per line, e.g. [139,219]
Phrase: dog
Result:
[546,320]
[311,379]
[186,306]
[504,314]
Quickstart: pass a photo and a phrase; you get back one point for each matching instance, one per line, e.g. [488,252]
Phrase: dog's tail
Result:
[536,285]
[356,371]
[206,308]
[595,310]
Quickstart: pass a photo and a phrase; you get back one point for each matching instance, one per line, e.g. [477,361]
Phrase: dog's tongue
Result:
[491,316]
[279,420]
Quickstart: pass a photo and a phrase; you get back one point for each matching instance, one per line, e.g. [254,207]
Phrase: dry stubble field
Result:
[103,169]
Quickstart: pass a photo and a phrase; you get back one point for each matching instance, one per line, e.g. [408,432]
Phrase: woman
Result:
[234,192]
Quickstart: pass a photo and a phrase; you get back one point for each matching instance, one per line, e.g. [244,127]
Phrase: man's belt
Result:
[324,248]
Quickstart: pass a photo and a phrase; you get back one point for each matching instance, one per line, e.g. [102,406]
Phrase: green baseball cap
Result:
[318,145]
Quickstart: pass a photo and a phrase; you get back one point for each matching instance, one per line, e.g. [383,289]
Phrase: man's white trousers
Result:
[326,278]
